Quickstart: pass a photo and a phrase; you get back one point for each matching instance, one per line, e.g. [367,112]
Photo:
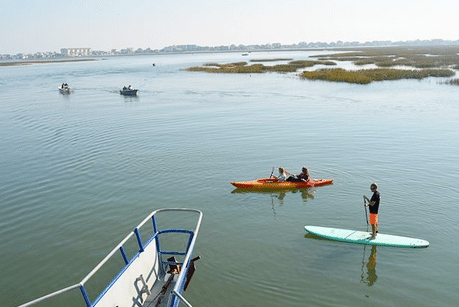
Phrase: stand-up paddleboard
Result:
[362,237]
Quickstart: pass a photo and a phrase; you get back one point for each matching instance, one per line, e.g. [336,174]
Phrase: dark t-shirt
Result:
[375,198]
[303,176]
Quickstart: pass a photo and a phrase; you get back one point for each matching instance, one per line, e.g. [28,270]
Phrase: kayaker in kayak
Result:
[304,176]
[283,175]
[373,205]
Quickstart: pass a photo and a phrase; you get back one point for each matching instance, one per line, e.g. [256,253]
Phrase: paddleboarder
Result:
[373,205]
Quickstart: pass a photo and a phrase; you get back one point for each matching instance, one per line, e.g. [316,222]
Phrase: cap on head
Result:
[373,186]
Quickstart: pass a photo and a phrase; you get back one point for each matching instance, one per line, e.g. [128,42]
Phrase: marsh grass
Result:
[417,57]
[229,68]
[453,81]
[431,61]
[271,60]
[365,76]
[242,67]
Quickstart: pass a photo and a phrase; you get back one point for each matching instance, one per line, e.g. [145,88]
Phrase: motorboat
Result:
[128,91]
[65,89]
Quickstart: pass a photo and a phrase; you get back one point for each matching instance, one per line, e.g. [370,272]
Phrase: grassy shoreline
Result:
[365,76]
[415,57]
[393,63]
[243,67]
[19,63]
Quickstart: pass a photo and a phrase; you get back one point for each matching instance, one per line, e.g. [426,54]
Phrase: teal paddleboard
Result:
[362,237]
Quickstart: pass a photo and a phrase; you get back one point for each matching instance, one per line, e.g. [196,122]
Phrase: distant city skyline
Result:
[32,26]
[88,52]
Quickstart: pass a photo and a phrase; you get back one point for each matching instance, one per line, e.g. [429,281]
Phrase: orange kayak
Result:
[271,183]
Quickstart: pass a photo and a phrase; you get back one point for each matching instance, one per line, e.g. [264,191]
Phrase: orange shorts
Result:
[373,218]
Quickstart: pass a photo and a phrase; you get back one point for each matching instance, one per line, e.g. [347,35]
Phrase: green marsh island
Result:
[387,63]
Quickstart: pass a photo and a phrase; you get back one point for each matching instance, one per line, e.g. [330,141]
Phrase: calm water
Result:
[78,172]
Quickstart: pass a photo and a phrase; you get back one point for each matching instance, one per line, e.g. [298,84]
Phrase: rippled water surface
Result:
[79,171]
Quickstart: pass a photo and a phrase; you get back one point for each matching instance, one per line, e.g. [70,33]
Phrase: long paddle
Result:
[174,270]
[190,272]
[365,200]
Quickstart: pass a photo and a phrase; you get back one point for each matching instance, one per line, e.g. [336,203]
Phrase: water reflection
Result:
[65,96]
[130,98]
[280,195]
[369,269]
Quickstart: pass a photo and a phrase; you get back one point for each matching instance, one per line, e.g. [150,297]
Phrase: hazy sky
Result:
[30,26]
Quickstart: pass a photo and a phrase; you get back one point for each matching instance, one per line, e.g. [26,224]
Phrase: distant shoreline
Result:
[47,61]
[98,57]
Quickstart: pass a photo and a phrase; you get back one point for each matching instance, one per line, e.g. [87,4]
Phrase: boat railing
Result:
[180,282]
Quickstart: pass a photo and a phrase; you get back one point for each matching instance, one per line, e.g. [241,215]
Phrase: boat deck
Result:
[160,292]
[146,278]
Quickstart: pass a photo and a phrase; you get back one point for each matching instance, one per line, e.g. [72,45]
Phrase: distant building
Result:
[129,50]
[73,52]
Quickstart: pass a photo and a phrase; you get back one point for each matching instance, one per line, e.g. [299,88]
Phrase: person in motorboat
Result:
[373,205]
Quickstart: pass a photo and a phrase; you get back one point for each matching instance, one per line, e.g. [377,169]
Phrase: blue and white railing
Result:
[150,253]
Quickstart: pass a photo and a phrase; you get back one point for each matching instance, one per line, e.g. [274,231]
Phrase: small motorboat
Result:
[65,89]
[149,273]
[128,91]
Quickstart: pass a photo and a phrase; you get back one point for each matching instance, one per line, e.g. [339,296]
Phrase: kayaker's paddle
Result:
[365,200]
[272,171]
[190,272]
[174,269]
